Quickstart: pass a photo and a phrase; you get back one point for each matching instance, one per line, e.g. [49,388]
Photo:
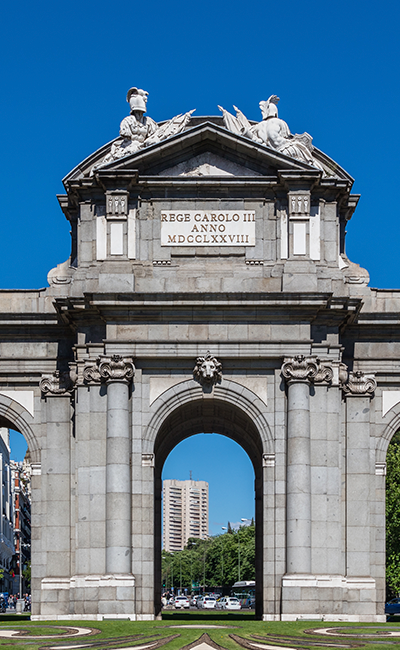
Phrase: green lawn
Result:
[238,631]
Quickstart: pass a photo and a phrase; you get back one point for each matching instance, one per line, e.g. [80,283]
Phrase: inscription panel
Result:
[214,228]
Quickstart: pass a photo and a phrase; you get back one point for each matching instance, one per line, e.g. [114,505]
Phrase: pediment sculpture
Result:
[138,130]
[272,132]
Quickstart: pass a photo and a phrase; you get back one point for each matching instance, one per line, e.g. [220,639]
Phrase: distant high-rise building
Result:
[185,512]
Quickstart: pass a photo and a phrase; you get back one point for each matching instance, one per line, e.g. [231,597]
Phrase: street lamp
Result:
[222,558]
[204,570]
[193,546]
[21,544]
[239,549]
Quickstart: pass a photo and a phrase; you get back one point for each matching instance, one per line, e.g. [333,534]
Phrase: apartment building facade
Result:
[185,512]
[6,508]
[21,493]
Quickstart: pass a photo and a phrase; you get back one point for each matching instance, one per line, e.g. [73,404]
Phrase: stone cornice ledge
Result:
[88,581]
[328,580]
[284,299]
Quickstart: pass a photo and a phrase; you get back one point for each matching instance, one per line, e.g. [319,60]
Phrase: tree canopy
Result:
[393,517]
[214,562]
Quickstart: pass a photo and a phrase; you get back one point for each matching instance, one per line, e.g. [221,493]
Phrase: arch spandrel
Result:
[231,409]
[390,424]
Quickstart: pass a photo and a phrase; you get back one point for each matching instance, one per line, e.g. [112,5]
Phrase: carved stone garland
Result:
[307,369]
[208,370]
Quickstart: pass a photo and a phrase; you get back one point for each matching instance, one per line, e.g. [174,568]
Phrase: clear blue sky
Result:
[18,446]
[228,470]
[66,68]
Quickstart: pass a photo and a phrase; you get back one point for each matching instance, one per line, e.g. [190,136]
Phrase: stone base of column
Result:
[329,598]
[91,597]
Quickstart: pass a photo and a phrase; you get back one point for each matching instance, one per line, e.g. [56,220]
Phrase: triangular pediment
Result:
[205,150]
[208,164]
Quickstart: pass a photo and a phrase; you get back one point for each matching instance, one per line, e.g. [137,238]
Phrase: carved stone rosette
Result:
[360,384]
[116,368]
[57,383]
[307,369]
[208,370]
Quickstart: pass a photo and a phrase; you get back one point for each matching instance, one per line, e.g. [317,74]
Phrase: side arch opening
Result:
[392,523]
[17,503]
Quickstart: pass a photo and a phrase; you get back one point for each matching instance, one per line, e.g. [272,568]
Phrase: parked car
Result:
[208,602]
[181,602]
[393,607]
[231,603]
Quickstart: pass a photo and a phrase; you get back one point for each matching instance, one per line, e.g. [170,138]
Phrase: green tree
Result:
[27,574]
[393,517]
[212,562]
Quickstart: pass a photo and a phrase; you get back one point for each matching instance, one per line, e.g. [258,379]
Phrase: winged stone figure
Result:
[137,130]
[272,132]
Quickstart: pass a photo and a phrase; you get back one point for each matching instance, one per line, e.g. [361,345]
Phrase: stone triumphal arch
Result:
[207,290]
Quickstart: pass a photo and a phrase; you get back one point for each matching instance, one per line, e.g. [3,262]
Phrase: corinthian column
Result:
[118,372]
[298,372]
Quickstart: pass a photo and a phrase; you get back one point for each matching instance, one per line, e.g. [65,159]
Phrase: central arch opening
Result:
[208,518]
[209,415]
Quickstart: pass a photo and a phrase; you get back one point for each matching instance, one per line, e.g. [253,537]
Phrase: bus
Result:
[245,591]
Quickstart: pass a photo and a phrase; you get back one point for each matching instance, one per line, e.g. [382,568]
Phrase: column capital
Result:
[116,368]
[302,369]
[56,383]
[359,384]
[90,373]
